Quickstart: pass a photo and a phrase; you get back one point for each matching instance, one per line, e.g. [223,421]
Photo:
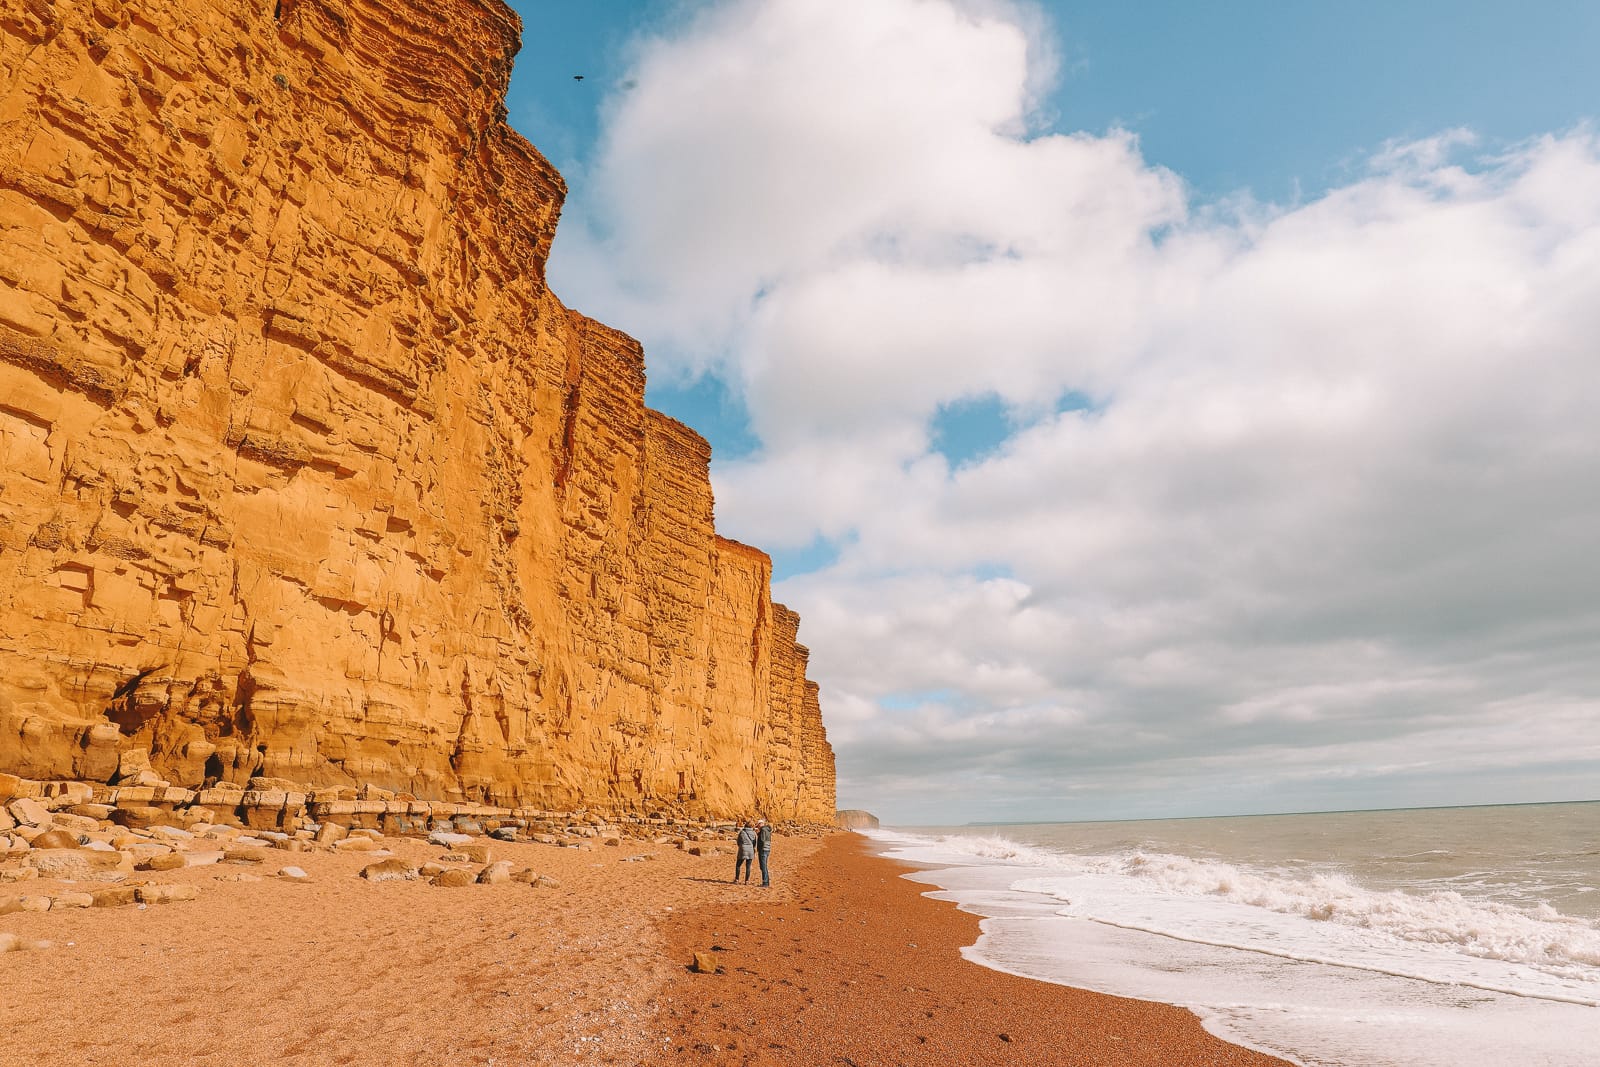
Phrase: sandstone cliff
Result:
[856,819]
[305,473]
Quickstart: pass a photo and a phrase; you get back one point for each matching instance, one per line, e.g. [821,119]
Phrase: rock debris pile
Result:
[98,845]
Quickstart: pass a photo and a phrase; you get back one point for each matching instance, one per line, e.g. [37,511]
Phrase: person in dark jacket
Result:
[764,848]
[746,840]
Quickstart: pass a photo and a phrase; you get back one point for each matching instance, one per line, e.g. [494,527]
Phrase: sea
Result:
[1408,938]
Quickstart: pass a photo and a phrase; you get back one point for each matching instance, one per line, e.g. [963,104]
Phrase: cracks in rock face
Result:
[293,293]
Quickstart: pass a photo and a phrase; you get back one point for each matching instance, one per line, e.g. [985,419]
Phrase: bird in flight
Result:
[577,77]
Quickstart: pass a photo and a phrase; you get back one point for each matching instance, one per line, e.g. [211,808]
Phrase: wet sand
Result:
[840,962]
[855,966]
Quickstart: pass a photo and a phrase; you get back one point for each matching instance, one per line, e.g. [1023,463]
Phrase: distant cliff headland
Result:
[306,475]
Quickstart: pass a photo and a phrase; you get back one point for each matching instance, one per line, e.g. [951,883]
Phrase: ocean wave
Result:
[1536,935]
[977,848]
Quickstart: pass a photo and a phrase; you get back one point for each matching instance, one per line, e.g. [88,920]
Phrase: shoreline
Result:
[855,965]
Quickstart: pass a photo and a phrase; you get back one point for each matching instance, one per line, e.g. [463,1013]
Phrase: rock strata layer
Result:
[306,474]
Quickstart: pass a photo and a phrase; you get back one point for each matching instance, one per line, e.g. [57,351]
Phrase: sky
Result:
[1151,410]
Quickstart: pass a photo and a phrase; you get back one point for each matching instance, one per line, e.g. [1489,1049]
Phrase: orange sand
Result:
[819,969]
[855,966]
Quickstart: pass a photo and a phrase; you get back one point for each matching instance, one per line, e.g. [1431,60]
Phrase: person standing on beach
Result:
[764,848]
[746,840]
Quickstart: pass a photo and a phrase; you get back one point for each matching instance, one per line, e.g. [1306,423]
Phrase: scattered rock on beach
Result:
[78,824]
[294,874]
[476,851]
[115,896]
[393,869]
[139,816]
[24,902]
[705,963]
[29,812]
[245,855]
[356,844]
[97,812]
[56,839]
[80,864]
[452,878]
[63,901]
[497,873]
[165,894]
[164,861]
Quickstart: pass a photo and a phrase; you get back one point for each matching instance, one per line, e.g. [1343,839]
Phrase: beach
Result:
[853,965]
[840,961]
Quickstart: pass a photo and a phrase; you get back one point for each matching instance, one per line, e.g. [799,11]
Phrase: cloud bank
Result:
[1299,506]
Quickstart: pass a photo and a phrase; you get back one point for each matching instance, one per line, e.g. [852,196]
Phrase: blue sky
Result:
[1151,409]
[1256,98]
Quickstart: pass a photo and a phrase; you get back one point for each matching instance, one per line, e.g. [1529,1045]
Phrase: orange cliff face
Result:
[305,473]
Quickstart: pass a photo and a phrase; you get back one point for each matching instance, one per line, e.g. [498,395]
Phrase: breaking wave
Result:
[1536,936]
[1100,887]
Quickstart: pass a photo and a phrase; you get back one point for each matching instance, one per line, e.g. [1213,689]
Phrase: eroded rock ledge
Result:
[304,472]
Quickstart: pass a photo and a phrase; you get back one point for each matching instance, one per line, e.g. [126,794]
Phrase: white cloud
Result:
[1336,503]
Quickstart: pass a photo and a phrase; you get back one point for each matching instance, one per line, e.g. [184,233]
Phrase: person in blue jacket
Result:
[764,848]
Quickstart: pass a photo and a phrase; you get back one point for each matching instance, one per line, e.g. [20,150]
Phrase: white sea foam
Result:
[1312,961]
[971,848]
[1538,936]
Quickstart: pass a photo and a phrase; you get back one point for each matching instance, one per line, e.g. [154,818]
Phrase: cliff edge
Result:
[304,472]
